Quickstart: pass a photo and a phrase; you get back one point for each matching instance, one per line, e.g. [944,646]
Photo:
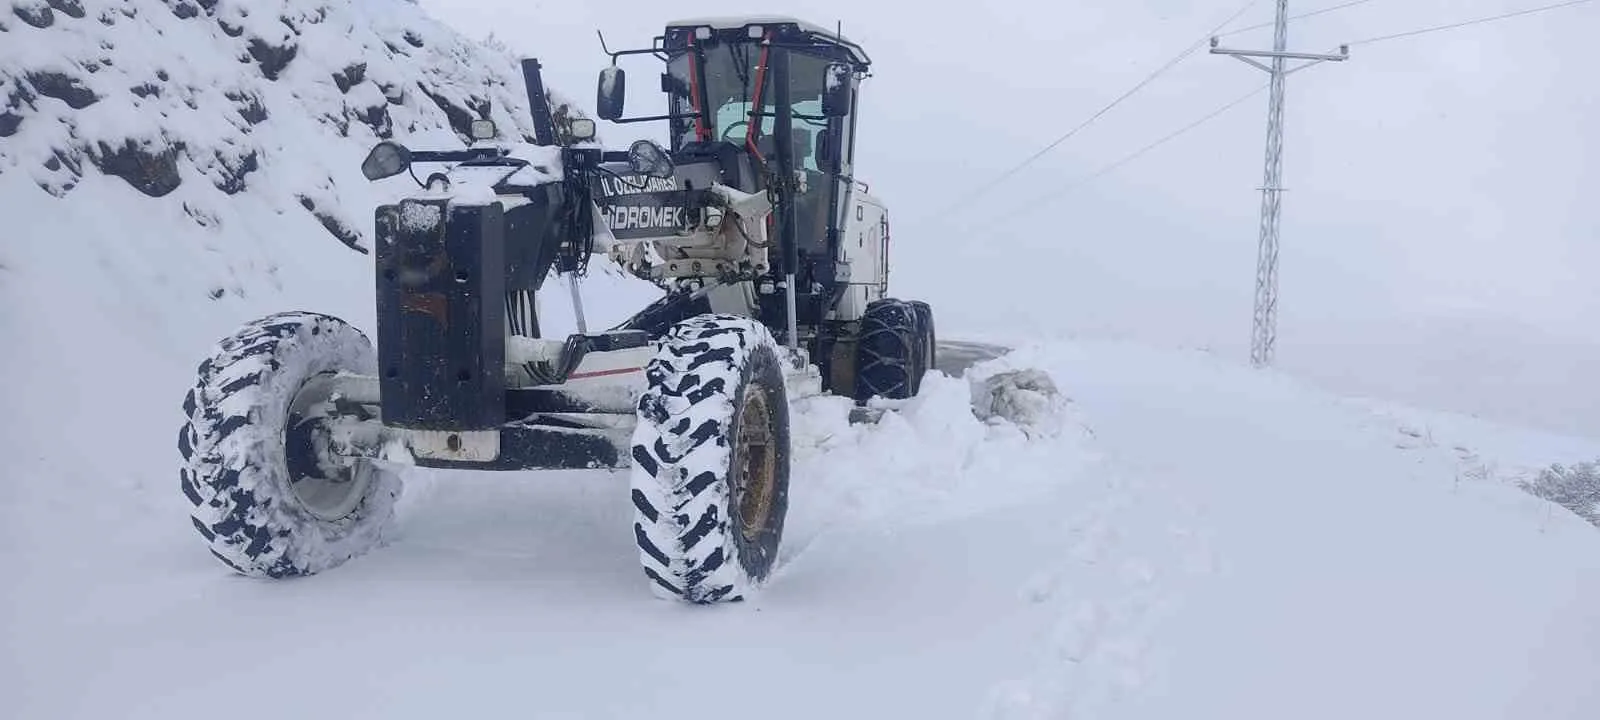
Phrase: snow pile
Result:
[930,458]
[1027,397]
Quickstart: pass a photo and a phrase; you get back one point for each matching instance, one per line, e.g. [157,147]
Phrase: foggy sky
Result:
[1441,218]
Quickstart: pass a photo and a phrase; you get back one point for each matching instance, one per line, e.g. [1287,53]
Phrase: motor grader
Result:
[772,258]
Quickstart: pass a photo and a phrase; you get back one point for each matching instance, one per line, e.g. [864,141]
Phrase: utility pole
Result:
[1264,334]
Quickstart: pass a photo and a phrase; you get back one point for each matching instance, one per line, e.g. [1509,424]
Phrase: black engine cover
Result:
[441,288]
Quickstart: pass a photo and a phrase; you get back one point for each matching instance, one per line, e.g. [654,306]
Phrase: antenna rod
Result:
[544,127]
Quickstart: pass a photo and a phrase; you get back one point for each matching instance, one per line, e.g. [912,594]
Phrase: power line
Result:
[1086,123]
[1301,16]
[1040,200]
[1135,155]
[1208,117]
[1478,21]
[1107,169]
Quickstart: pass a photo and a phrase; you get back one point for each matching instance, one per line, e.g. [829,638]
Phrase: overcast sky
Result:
[1443,186]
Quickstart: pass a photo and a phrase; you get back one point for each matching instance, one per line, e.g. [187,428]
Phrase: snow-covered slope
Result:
[244,123]
[171,170]
[1197,540]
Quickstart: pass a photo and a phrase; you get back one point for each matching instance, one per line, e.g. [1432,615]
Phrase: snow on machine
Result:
[774,262]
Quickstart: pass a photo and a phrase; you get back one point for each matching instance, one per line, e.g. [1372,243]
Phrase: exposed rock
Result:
[460,120]
[151,171]
[11,113]
[201,217]
[63,170]
[395,93]
[71,8]
[272,58]
[70,160]
[339,122]
[185,10]
[413,38]
[63,87]
[248,105]
[146,90]
[350,77]
[39,16]
[334,226]
[377,117]
[234,170]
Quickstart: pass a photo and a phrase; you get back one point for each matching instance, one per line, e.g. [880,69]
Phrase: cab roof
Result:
[786,25]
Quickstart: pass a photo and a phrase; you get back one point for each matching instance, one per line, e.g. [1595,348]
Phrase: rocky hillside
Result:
[274,99]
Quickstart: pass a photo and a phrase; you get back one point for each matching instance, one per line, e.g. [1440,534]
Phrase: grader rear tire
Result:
[928,340]
[887,351]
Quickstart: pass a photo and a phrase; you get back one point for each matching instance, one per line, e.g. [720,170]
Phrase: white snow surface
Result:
[1193,539]
[1201,542]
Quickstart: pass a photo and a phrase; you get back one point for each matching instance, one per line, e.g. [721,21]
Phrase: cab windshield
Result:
[730,77]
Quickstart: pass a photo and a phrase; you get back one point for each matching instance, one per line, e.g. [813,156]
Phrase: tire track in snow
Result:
[1121,575]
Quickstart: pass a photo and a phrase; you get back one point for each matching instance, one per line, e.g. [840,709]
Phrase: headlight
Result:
[582,129]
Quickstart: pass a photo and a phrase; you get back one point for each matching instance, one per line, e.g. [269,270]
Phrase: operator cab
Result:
[771,99]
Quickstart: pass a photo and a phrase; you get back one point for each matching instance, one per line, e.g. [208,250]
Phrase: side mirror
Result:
[648,159]
[387,159]
[836,90]
[582,129]
[608,99]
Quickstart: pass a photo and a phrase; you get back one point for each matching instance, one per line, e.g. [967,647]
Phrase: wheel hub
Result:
[757,463]
[327,484]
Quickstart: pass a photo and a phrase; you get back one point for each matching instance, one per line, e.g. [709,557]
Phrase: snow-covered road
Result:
[1216,544]
[954,357]
[1329,573]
